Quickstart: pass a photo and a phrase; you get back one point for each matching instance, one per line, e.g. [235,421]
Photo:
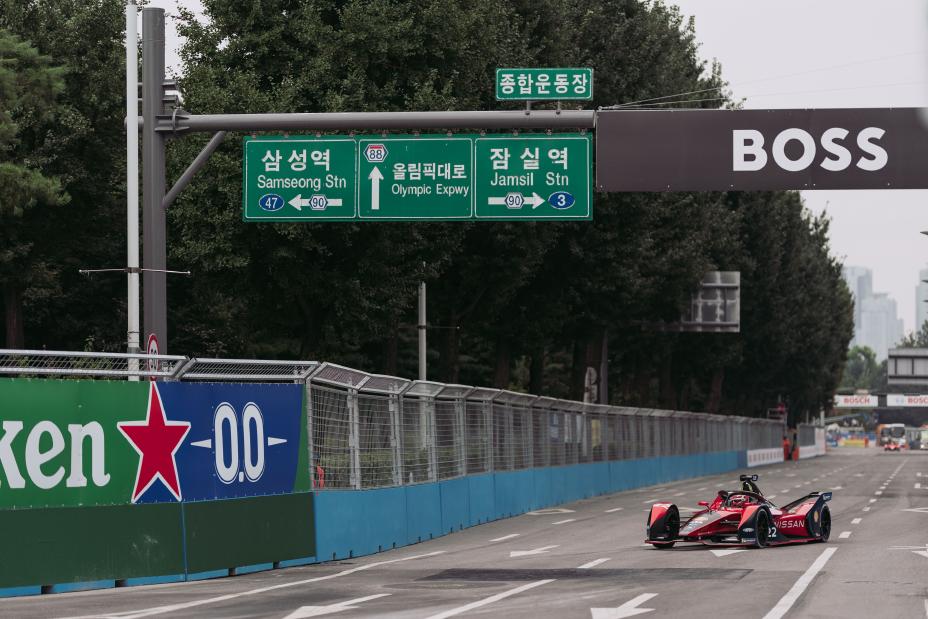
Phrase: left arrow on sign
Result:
[628,609]
[318,611]
[375,176]
[298,202]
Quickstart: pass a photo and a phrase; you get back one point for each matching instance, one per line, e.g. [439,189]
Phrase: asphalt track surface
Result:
[587,559]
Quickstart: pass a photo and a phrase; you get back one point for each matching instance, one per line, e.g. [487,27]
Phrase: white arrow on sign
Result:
[318,611]
[628,609]
[375,176]
[535,200]
[525,553]
[298,202]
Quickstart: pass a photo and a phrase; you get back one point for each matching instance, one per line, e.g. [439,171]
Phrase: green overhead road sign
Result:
[409,177]
[426,178]
[544,84]
[299,179]
[534,177]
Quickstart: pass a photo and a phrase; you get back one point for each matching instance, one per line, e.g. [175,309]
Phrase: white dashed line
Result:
[651,501]
[680,494]
[593,563]
[490,600]
[844,535]
[505,537]
[873,500]
[565,521]
[878,492]
[866,509]
[787,601]
[613,510]
[856,521]
[918,486]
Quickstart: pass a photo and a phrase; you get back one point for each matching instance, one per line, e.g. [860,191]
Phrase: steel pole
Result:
[132,186]
[325,121]
[153,181]
[422,329]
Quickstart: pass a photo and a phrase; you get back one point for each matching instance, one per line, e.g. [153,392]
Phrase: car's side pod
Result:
[663,522]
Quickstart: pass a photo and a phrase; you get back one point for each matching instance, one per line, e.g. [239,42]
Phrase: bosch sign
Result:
[724,150]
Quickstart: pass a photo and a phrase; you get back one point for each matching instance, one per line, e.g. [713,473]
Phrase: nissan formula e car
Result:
[743,518]
[892,446]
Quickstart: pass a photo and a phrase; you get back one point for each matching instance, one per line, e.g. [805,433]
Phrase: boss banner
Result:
[722,150]
[74,443]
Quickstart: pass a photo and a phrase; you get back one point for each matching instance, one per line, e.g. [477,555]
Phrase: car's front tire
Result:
[825,525]
[762,528]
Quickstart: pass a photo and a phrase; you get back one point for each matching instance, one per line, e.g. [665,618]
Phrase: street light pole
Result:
[132,186]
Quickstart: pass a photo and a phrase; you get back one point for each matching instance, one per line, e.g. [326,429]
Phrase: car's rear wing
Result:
[824,496]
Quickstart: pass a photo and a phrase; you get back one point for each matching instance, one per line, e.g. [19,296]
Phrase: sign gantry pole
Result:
[153,180]
[132,186]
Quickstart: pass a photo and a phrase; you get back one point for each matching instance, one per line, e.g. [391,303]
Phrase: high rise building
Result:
[921,300]
[876,318]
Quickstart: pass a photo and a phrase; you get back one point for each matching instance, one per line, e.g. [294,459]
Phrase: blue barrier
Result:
[351,523]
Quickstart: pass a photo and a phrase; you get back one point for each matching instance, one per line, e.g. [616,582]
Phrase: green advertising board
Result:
[420,178]
[555,84]
[299,179]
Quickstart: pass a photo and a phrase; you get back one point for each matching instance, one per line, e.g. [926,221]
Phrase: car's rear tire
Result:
[825,525]
[762,528]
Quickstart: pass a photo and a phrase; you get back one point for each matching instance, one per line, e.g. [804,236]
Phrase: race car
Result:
[743,518]
[892,446]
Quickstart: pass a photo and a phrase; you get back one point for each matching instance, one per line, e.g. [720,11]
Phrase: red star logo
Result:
[156,440]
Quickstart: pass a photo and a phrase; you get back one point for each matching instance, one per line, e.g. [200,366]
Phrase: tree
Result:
[916,339]
[82,145]
[29,87]
[861,370]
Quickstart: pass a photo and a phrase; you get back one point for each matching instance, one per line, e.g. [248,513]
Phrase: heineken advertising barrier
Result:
[122,480]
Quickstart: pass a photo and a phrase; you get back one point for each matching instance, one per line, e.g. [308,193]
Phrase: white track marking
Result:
[593,563]
[565,521]
[613,510]
[787,490]
[856,521]
[873,500]
[680,494]
[878,492]
[651,501]
[160,610]
[867,508]
[700,489]
[918,486]
[489,600]
[726,551]
[505,537]
[787,601]
[844,535]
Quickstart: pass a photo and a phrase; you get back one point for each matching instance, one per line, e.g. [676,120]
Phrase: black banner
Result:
[722,150]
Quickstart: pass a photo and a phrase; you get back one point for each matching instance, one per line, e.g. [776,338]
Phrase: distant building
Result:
[921,300]
[876,318]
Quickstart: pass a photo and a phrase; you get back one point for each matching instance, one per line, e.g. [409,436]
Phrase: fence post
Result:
[490,451]
[429,412]
[309,432]
[354,441]
[460,436]
[393,407]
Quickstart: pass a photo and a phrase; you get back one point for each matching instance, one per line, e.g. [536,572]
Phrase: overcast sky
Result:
[821,53]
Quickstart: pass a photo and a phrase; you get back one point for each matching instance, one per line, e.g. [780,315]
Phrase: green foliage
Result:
[916,339]
[538,297]
[862,371]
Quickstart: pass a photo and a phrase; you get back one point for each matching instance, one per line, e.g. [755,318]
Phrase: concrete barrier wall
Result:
[351,523]
[761,457]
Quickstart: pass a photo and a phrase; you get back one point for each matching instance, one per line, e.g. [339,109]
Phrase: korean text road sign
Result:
[426,177]
[409,177]
[299,178]
[544,84]
[533,177]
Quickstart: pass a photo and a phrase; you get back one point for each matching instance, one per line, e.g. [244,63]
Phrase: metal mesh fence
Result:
[370,431]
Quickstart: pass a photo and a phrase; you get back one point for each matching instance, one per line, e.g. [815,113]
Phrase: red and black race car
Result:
[743,518]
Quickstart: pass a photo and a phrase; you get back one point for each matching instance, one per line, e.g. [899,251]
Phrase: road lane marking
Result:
[651,501]
[878,492]
[918,486]
[772,496]
[700,489]
[160,610]
[505,537]
[490,600]
[787,490]
[593,563]
[787,601]
[867,508]
[873,500]
[727,551]
[613,510]
[844,535]
[315,611]
[680,494]
[628,609]
[565,521]
[856,521]
[528,553]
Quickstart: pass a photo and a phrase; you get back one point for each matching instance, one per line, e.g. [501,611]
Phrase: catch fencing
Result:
[373,431]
